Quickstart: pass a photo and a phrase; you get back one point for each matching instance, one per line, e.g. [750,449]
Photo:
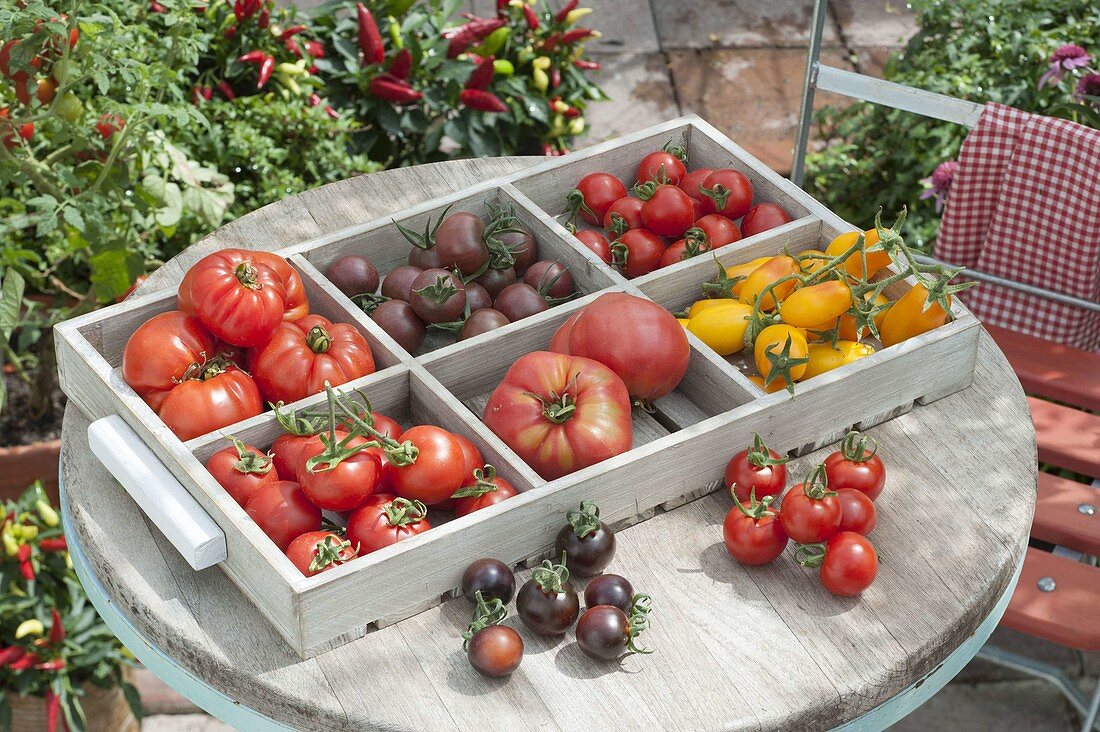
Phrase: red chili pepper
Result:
[55,664]
[230,32]
[482,101]
[52,546]
[555,77]
[502,8]
[465,35]
[198,95]
[155,7]
[26,661]
[315,100]
[572,112]
[23,553]
[577,34]
[401,66]
[530,16]
[53,710]
[482,76]
[587,65]
[292,31]
[331,112]
[393,90]
[225,89]
[251,57]
[566,9]
[313,68]
[57,630]
[10,655]
[266,67]
[551,42]
[27,570]
[316,49]
[265,18]
[370,40]
[293,47]
[243,9]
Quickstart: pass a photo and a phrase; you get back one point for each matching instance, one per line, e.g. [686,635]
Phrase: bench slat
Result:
[1057,519]
[1068,438]
[1065,616]
[1052,370]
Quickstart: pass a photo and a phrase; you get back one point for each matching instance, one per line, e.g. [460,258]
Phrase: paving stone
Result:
[736,23]
[1006,639]
[158,697]
[641,95]
[874,22]
[1011,706]
[183,723]
[753,95]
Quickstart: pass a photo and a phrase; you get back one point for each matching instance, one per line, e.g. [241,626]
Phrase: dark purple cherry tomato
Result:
[424,258]
[495,651]
[401,322]
[460,243]
[550,278]
[438,296]
[546,603]
[609,589]
[588,543]
[492,578]
[521,243]
[397,285]
[482,321]
[353,275]
[520,300]
[495,280]
[606,632]
[477,298]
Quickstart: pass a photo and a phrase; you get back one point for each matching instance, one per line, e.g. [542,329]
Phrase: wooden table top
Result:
[736,647]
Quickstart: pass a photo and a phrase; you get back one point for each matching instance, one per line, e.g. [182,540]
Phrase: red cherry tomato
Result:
[763,216]
[637,252]
[213,396]
[855,465]
[317,551]
[677,252]
[285,450]
[717,231]
[242,470]
[341,476]
[691,185]
[483,489]
[596,242]
[811,512]
[471,461]
[662,167]
[283,512]
[848,564]
[594,195]
[731,192]
[754,534]
[384,520]
[668,212]
[437,471]
[624,215]
[857,511]
[758,469]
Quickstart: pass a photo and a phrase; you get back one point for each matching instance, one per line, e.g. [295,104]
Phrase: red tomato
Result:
[636,338]
[811,512]
[691,185]
[857,511]
[594,195]
[716,231]
[668,212]
[283,512]
[437,471]
[385,520]
[637,252]
[754,534]
[758,470]
[242,470]
[849,564]
[596,242]
[340,476]
[662,167]
[387,426]
[624,215]
[560,413]
[763,216]
[731,192]
[483,489]
[677,252]
[471,460]
[160,352]
[294,299]
[855,465]
[286,451]
[216,395]
[316,551]
[238,298]
[301,357]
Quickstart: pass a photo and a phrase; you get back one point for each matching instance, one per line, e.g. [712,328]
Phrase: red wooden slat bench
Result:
[1068,438]
[1062,514]
[1061,613]
[1051,370]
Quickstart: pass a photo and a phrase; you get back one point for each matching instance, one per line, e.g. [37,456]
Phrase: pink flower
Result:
[1088,86]
[939,183]
[1065,58]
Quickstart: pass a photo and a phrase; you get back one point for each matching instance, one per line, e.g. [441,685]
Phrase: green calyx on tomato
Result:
[759,454]
[246,275]
[782,363]
[484,478]
[207,370]
[585,520]
[717,193]
[442,291]
[858,447]
[487,612]
[557,409]
[816,484]
[427,239]
[810,556]
[361,423]
[318,339]
[402,512]
[331,550]
[638,620]
[250,462]
[550,577]
[646,190]
[757,509]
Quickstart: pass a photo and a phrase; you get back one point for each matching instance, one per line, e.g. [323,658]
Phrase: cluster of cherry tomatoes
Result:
[548,605]
[242,335]
[359,463]
[462,276]
[829,514]
[804,314]
[671,214]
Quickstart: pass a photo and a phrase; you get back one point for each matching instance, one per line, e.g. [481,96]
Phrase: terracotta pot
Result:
[106,710]
[21,465]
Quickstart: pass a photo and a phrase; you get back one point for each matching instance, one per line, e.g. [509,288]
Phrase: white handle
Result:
[157,492]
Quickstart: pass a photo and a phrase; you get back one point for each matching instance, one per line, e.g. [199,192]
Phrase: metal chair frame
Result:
[958,111]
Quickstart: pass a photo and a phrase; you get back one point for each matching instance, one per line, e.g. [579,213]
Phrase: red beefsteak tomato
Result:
[210,396]
[161,351]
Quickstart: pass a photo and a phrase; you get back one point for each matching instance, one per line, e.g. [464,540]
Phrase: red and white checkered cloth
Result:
[1024,204]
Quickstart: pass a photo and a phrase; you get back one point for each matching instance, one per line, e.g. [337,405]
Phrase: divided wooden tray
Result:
[679,451]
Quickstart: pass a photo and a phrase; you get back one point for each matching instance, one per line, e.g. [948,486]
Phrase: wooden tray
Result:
[679,451]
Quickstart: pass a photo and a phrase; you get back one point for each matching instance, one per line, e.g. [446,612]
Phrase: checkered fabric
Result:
[1025,205]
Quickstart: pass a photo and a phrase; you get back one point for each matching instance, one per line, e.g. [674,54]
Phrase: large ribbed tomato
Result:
[301,356]
[636,338]
[211,396]
[161,351]
[560,413]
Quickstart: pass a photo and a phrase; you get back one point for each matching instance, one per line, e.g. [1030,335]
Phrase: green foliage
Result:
[981,50]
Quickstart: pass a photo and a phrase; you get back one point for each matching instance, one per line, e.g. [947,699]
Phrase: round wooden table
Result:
[736,648]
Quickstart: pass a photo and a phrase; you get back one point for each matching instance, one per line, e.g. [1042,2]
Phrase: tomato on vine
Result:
[485,488]
[758,469]
[857,465]
[857,511]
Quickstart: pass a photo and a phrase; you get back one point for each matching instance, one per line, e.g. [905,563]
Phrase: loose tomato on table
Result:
[758,471]
[781,354]
[317,551]
[210,396]
[595,242]
[485,488]
[637,252]
[857,511]
[857,465]
[283,512]
[606,633]
[624,215]
[731,192]
[593,195]
[810,510]
[160,352]
[753,534]
[907,317]
[301,357]
[586,543]
[763,216]
[547,603]
[667,210]
[847,564]
[664,166]
[384,520]
[242,470]
[494,650]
